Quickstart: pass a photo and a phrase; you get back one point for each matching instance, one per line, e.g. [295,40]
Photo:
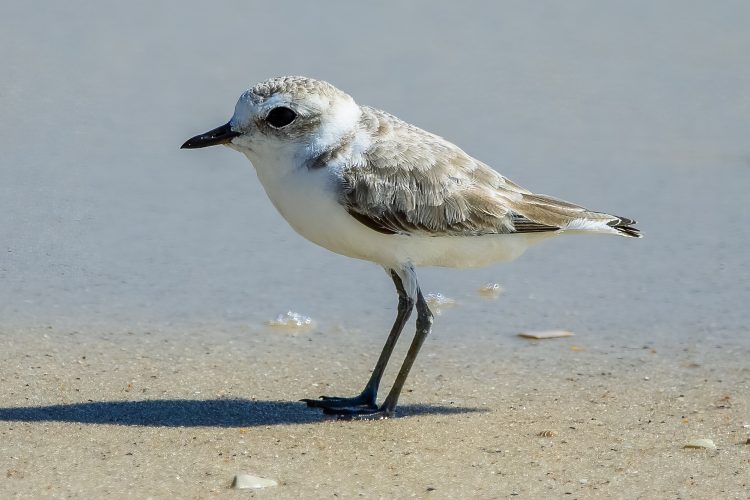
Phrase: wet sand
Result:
[172,413]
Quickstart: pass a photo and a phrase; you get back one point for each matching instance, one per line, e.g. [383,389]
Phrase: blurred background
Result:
[637,108]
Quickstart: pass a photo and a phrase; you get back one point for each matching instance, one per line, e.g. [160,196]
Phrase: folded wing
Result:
[410,181]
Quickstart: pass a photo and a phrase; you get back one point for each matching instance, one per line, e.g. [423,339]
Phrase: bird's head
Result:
[284,118]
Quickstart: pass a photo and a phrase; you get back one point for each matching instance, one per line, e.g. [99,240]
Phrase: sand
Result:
[176,414]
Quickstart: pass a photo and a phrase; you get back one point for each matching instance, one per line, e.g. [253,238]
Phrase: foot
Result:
[360,413]
[362,401]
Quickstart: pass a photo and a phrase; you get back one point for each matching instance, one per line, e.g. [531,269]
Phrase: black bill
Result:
[220,135]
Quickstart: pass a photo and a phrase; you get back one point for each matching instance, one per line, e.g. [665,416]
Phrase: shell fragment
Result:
[547,334]
[250,482]
[701,443]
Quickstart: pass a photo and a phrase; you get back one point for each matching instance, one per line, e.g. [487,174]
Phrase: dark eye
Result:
[281,117]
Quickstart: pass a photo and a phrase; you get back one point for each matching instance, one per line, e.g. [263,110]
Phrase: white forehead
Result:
[249,105]
[337,111]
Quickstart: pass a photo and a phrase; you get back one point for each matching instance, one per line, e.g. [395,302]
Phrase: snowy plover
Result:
[362,183]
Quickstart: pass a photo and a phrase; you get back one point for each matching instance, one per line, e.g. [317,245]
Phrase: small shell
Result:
[250,482]
[437,302]
[548,334]
[547,434]
[701,443]
[292,321]
[491,290]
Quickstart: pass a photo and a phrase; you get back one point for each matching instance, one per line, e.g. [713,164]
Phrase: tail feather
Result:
[537,212]
[625,226]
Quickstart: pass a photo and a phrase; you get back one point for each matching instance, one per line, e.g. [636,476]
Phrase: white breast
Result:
[307,199]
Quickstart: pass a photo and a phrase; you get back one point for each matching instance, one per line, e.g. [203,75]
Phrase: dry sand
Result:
[173,413]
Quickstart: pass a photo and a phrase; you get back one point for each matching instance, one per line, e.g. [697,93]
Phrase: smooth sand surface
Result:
[175,414]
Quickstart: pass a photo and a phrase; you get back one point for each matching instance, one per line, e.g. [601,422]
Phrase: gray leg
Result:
[367,398]
[424,326]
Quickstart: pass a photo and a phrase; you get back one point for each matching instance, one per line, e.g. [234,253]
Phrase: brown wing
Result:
[411,181]
[415,182]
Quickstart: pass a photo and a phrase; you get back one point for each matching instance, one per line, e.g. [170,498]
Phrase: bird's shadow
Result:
[194,413]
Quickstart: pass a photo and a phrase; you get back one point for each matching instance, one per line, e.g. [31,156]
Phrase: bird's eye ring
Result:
[280,117]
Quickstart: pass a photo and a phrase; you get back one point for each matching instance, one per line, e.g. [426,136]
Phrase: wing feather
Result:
[411,181]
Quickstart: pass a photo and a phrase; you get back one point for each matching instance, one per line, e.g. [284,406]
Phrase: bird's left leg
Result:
[367,398]
[387,409]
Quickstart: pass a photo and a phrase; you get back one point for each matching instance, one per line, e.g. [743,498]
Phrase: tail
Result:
[624,226]
[599,222]
[537,212]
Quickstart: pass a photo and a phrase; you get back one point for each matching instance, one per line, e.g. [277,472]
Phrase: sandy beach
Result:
[158,414]
[136,279]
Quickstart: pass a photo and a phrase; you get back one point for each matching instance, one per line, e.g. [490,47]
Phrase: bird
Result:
[364,184]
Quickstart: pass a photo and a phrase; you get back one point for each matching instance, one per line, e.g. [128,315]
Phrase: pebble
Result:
[250,482]
[547,334]
[701,443]
[291,320]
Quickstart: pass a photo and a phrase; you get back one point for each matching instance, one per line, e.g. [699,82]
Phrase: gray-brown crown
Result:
[297,86]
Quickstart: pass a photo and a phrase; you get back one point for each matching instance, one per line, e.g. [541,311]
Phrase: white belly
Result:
[306,199]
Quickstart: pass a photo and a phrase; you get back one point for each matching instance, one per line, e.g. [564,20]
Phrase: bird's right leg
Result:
[367,398]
